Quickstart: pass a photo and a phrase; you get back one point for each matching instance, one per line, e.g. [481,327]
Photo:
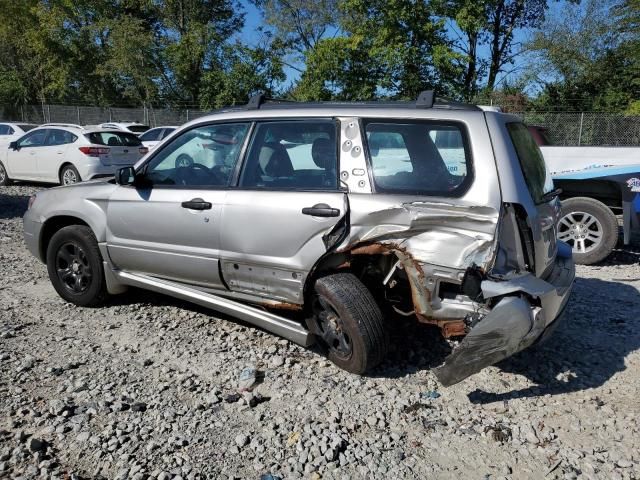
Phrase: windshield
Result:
[115,139]
[531,160]
[419,157]
[26,127]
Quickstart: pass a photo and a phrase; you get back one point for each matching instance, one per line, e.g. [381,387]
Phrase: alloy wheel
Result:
[581,230]
[73,268]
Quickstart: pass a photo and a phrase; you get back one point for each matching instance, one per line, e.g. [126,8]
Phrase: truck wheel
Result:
[590,227]
[69,175]
[4,176]
[75,266]
[349,323]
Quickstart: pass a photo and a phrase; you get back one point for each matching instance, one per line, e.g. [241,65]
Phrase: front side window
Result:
[60,137]
[534,169]
[419,157]
[204,156]
[33,139]
[293,155]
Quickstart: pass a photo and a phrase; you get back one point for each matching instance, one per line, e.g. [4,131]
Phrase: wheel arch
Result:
[606,192]
[51,226]
[62,166]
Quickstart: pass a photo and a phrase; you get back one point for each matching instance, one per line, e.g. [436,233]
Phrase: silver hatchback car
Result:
[323,222]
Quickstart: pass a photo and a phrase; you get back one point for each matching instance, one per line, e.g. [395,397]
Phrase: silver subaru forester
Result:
[325,222]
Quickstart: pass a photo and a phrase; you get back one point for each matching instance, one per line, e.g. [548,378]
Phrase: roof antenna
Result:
[425,99]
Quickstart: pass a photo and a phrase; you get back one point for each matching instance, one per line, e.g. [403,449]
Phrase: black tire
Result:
[605,220]
[359,320]
[67,173]
[77,245]
[4,176]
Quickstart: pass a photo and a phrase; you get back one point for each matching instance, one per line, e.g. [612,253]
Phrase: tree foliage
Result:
[195,52]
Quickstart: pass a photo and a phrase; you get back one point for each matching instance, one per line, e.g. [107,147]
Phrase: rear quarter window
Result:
[531,161]
[419,157]
[114,139]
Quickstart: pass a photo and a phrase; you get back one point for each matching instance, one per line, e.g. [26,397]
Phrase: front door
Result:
[23,161]
[275,223]
[168,224]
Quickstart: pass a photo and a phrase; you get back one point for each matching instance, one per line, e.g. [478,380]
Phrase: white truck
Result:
[597,184]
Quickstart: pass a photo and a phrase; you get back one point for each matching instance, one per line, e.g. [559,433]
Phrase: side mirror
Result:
[126,176]
[13,146]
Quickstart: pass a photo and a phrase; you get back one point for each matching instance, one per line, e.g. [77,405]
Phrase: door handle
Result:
[321,210]
[196,204]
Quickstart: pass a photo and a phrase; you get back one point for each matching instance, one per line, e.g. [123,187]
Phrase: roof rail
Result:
[426,99]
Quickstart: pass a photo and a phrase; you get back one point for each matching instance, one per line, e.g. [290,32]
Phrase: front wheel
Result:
[75,266]
[590,227]
[349,323]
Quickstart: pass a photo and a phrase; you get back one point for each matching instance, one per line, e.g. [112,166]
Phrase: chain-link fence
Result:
[587,128]
[562,128]
[83,115]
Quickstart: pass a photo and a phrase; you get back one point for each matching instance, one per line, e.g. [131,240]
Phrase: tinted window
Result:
[152,135]
[293,155]
[531,161]
[138,128]
[26,128]
[424,158]
[114,139]
[60,137]
[33,139]
[4,130]
[204,156]
[167,132]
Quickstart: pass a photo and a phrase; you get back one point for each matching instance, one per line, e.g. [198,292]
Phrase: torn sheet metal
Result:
[498,336]
[513,324]
[430,239]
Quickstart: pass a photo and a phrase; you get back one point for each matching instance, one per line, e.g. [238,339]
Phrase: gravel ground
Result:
[149,387]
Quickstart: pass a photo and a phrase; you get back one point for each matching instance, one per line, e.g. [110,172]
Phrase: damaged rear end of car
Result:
[472,251]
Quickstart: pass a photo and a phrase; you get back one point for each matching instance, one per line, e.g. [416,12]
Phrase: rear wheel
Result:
[69,175]
[75,266]
[590,227]
[4,176]
[349,323]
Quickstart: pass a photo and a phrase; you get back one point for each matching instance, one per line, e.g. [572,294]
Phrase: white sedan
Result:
[153,137]
[12,131]
[66,154]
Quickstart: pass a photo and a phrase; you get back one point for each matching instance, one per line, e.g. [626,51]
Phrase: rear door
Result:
[53,154]
[274,225]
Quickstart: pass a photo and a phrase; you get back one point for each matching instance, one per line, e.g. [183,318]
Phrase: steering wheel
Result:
[183,160]
[197,174]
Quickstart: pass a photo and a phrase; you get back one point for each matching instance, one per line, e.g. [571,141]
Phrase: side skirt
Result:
[280,326]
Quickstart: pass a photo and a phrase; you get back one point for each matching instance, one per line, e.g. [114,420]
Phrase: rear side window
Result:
[531,160]
[4,130]
[60,137]
[419,157]
[114,139]
[293,155]
[152,135]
